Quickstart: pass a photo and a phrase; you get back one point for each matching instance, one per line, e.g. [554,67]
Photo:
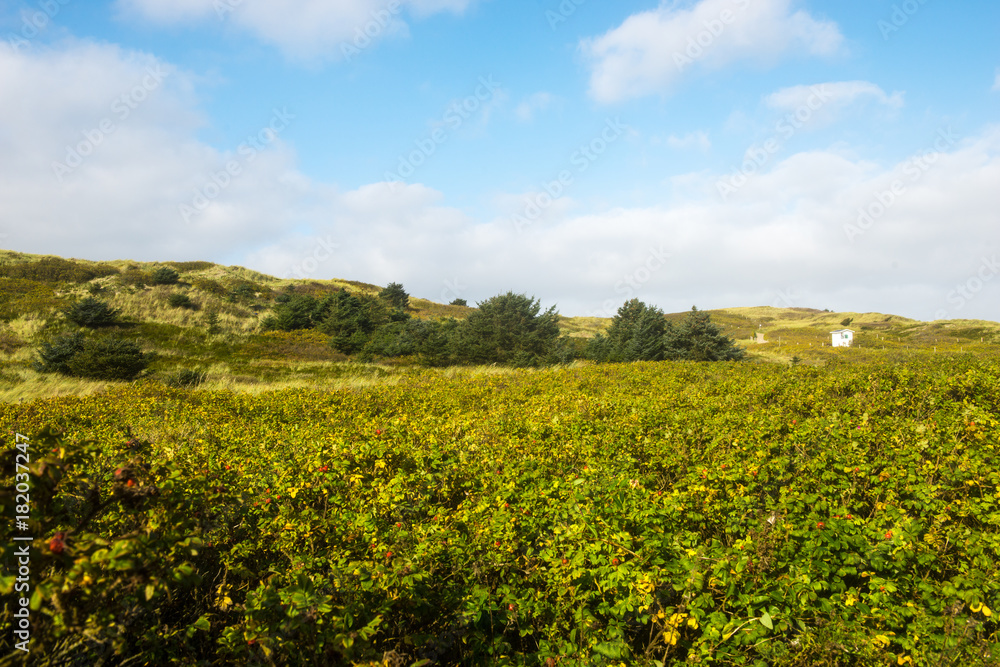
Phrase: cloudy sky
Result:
[841,155]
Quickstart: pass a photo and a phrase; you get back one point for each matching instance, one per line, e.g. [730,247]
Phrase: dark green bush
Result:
[109,358]
[164,276]
[54,357]
[91,312]
[459,302]
[178,300]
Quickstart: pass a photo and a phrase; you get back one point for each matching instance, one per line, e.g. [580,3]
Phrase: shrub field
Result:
[635,514]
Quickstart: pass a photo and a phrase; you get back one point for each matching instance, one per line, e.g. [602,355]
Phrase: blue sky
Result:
[714,152]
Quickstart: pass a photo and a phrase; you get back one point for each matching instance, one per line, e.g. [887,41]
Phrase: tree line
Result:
[508,329]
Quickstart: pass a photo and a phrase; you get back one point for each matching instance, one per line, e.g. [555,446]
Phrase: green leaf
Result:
[765,620]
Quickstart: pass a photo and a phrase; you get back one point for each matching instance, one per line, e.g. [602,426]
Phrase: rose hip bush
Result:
[643,514]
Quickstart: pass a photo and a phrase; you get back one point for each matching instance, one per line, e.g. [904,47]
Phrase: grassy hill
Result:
[221,334]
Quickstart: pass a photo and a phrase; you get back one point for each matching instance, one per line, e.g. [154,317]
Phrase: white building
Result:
[843,337]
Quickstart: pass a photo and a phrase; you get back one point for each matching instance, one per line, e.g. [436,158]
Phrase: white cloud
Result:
[525,111]
[835,94]
[690,140]
[302,29]
[650,51]
[784,230]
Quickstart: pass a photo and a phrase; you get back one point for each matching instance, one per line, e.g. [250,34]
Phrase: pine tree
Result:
[508,329]
[697,338]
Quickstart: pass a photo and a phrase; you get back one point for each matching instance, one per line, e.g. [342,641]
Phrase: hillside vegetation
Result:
[210,322]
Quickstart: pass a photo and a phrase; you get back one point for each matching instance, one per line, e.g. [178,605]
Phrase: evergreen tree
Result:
[91,312]
[109,358]
[395,296]
[635,334]
[348,321]
[697,338]
[164,276]
[508,329]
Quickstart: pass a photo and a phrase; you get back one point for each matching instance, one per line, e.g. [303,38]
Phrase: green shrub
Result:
[164,276]
[178,300]
[109,358]
[298,312]
[459,302]
[187,378]
[243,291]
[212,322]
[91,312]
[54,357]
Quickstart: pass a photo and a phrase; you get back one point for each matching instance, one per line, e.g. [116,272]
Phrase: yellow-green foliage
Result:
[643,514]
